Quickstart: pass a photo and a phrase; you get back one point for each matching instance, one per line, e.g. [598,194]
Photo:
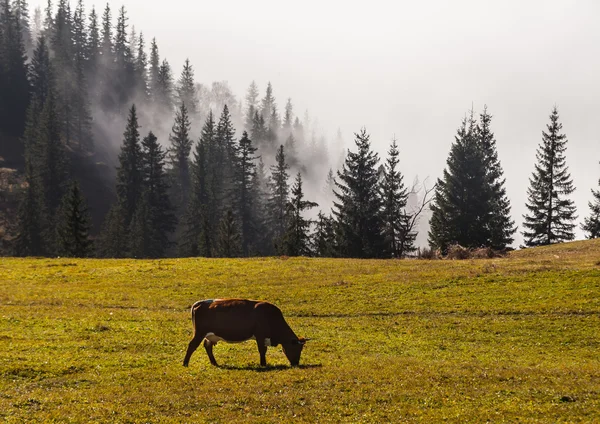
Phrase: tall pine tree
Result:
[296,240]
[551,212]
[74,225]
[277,201]
[357,210]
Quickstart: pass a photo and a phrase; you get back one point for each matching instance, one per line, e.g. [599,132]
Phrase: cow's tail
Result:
[194,306]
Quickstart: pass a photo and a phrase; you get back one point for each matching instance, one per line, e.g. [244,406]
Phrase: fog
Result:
[412,69]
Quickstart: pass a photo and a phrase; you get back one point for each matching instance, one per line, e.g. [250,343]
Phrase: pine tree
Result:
[74,225]
[164,88]
[551,212]
[186,89]
[292,151]
[14,86]
[21,11]
[196,239]
[296,241]
[251,105]
[591,224]
[277,201]
[243,186]
[124,76]
[395,218]
[228,243]
[154,219]
[268,105]
[359,227]
[106,66]
[262,241]
[323,244]
[461,211]
[82,119]
[224,163]
[129,172]
[31,219]
[288,117]
[154,70]
[141,65]
[41,74]
[502,227]
[179,154]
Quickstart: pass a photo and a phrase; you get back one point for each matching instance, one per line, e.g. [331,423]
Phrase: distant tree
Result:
[141,65]
[14,86]
[179,154]
[224,162]
[21,11]
[186,89]
[41,74]
[277,202]
[288,117]
[359,227]
[268,105]
[228,239]
[154,71]
[124,77]
[551,212]
[395,217]
[296,241]
[129,172]
[291,151]
[31,216]
[164,88]
[462,207]
[154,219]
[323,241]
[591,224]
[251,105]
[196,239]
[74,225]
[243,188]
[82,117]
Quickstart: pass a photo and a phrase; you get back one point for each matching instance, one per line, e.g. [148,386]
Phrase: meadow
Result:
[512,339]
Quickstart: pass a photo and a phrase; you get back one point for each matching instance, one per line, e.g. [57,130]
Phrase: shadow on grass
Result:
[268,368]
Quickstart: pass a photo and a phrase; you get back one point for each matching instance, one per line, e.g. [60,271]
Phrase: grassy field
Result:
[503,340]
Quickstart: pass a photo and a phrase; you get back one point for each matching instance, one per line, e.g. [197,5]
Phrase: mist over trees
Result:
[123,155]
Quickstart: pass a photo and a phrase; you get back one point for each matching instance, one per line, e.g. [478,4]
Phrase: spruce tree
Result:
[591,224]
[186,89]
[243,186]
[164,88]
[129,172]
[82,119]
[195,239]
[179,154]
[396,220]
[323,242]
[296,241]
[551,212]
[251,105]
[268,105]
[14,85]
[154,219]
[359,227]
[21,11]
[74,225]
[154,71]
[462,208]
[277,201]
[141,65]
[124,76]
[501,225]
[228,243]
[225,161]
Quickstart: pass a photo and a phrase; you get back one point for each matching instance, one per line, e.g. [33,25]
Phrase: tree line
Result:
[215,196]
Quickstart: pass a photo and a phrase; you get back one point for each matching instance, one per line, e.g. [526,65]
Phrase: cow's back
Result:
[230,319]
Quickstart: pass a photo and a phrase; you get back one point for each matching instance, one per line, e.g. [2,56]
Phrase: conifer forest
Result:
[109,150]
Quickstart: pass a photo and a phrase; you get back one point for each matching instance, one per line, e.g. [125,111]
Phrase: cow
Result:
[238,320]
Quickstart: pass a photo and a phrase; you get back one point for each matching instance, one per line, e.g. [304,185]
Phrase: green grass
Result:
[503,340]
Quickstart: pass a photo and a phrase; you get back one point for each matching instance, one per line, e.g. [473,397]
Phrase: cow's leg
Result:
[208,345]
[262,350]
[194,343]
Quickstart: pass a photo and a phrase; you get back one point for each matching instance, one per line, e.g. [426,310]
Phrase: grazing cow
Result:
[238,320]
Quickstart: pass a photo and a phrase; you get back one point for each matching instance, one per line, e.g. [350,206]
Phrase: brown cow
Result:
[238,320]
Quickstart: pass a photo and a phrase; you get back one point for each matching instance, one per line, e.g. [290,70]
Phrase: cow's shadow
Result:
[268,368]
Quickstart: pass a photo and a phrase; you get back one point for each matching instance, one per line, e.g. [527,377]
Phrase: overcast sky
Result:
[407,68]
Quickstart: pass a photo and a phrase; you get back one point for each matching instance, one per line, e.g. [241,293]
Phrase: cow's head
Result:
[293,349]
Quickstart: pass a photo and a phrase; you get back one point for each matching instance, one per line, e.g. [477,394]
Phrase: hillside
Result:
[502,340]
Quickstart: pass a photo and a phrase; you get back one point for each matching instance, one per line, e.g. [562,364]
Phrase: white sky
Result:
[410,68]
